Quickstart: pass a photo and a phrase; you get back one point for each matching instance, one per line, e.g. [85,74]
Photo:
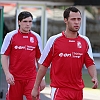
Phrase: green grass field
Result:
[86,78]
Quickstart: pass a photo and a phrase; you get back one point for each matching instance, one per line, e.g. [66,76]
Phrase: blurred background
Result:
[48,21]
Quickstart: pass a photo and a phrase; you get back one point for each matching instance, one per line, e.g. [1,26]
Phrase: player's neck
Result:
[70,34]
[24,32]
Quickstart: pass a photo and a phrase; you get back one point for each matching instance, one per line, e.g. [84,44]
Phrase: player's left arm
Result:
[90,64]
[93,73]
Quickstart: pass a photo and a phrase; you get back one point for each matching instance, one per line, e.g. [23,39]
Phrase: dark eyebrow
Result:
[27,21]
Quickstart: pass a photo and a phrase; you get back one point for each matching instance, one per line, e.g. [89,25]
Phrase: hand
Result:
[42,85]
[95,81]
[10,78]
[35,94]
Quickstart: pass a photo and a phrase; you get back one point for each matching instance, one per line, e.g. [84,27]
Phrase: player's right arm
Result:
[40,74]
[5,66]
[5,52]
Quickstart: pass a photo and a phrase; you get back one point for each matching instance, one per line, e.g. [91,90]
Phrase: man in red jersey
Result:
[66,53]
[20,51]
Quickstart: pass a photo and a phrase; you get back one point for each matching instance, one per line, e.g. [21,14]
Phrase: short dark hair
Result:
[67,11]
[24,15]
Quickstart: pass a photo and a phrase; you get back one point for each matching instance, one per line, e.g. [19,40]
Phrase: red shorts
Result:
[66,94]
[22,87]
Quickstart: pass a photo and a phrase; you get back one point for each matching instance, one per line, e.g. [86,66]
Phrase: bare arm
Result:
[5,66]
[4,62]
[43,83]
[40,74]
[93,73]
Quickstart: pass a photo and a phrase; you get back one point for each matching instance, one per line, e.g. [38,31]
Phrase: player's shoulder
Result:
[11,33]
[34,33]
[54,37]
[84,37]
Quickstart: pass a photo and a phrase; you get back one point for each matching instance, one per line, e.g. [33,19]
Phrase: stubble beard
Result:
[73,30]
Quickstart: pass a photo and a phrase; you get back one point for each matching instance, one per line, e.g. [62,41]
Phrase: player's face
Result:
[74,21]
[25,25]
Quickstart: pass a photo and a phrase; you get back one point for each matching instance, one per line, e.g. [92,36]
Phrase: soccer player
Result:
[66,53]
[20,52]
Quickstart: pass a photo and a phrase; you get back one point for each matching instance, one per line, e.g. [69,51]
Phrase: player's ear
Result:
[65,20]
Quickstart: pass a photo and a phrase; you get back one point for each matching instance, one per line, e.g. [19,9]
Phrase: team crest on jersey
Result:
[79,45]
[31,39]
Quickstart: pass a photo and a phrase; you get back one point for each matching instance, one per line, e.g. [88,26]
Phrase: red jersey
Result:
[66,57]
[23,50]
